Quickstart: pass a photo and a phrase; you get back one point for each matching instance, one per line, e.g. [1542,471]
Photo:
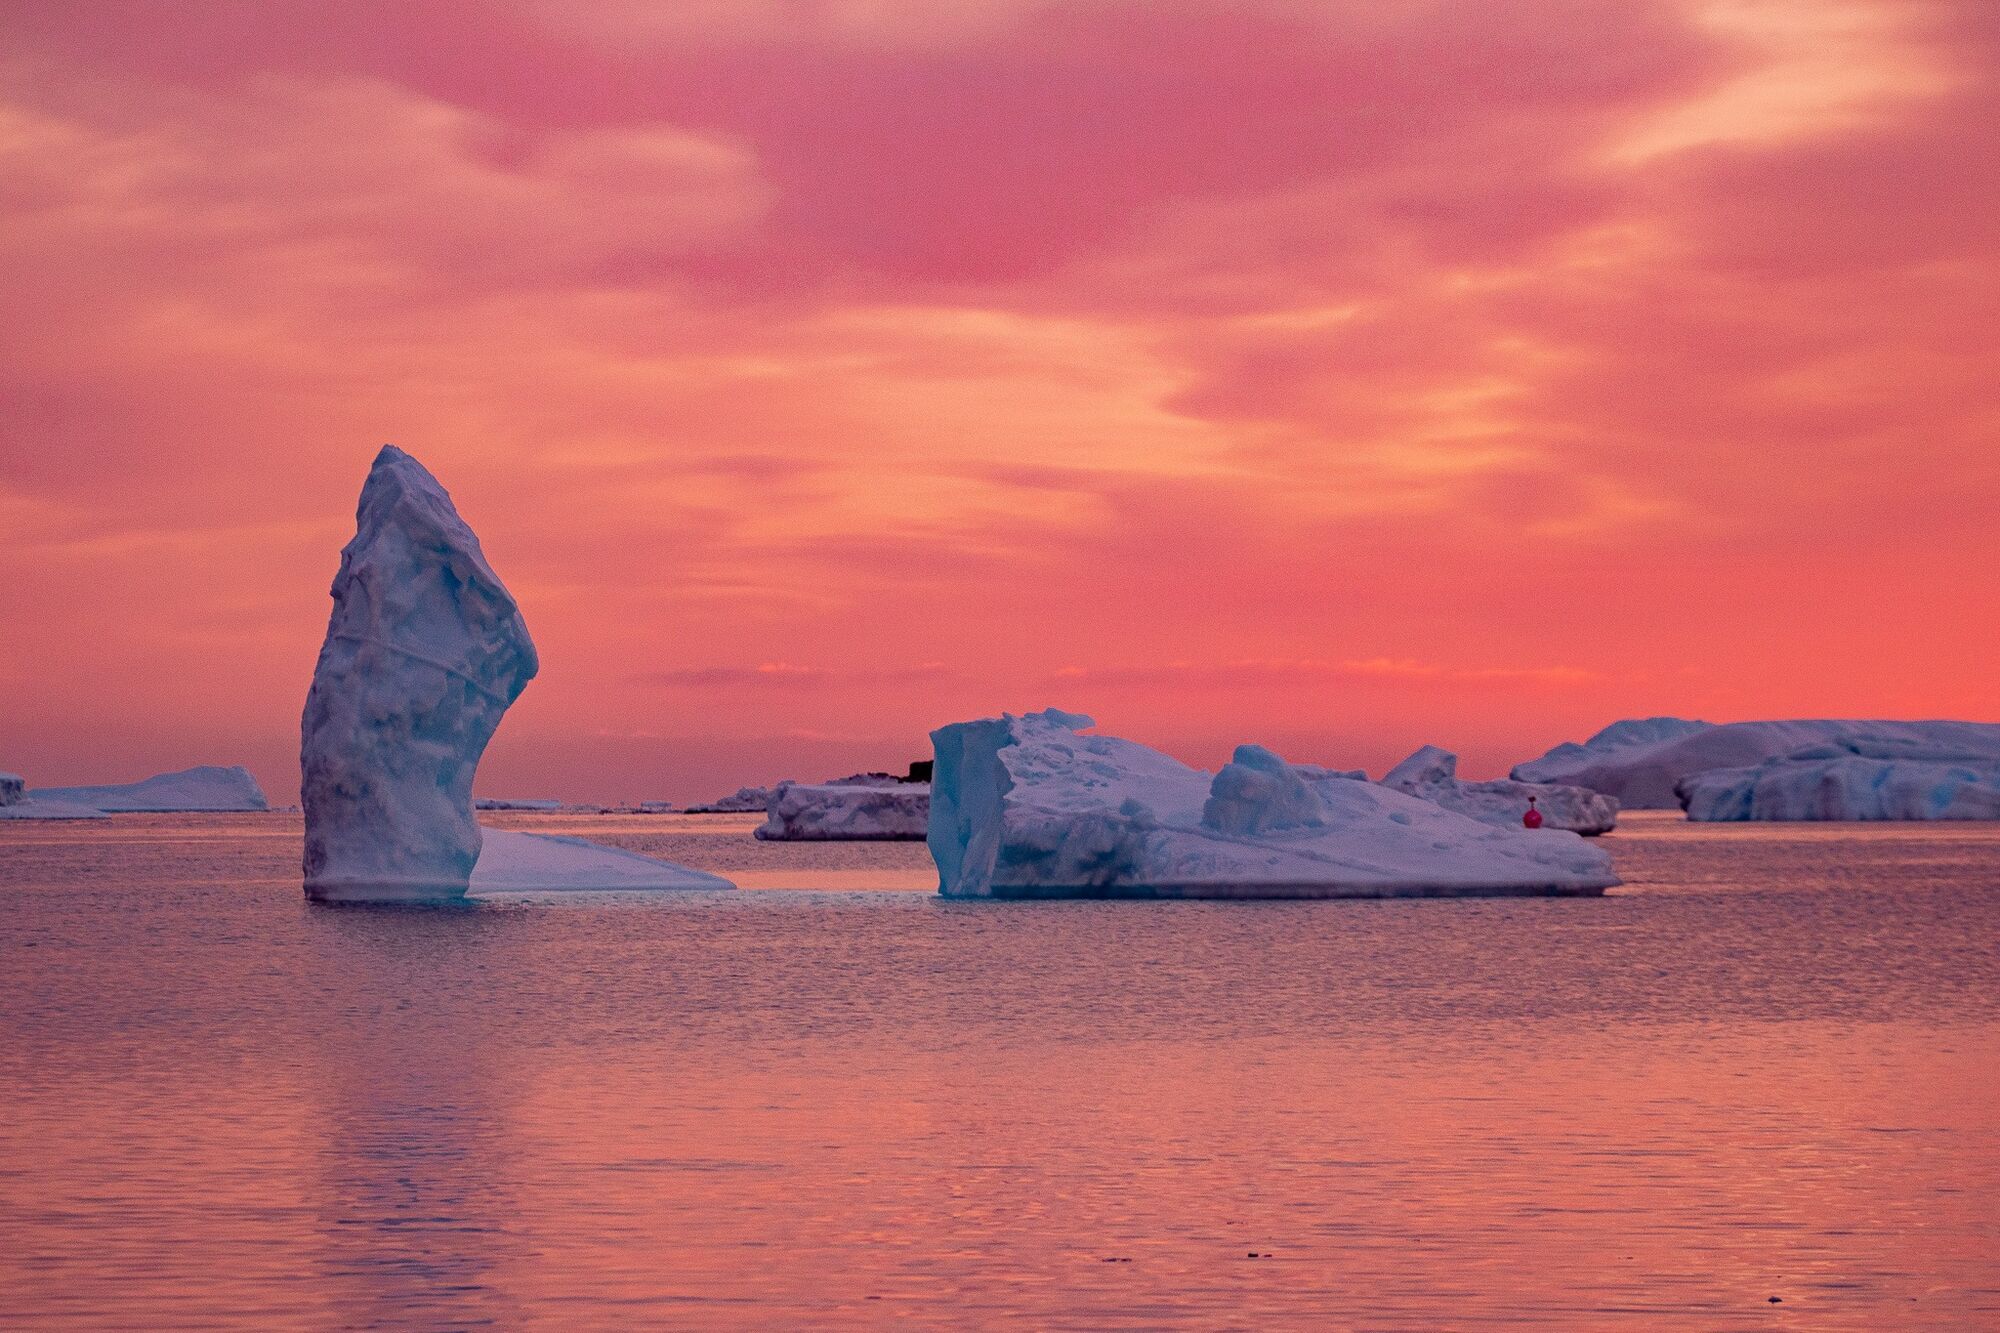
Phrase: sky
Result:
[1342,376]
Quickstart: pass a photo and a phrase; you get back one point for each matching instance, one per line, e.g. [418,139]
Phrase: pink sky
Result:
[1343,376]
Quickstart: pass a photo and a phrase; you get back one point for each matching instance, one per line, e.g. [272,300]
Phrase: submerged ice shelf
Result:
[530,863]
[1026,807]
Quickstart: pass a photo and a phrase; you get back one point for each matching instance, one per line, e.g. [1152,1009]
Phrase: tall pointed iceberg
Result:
[425,652]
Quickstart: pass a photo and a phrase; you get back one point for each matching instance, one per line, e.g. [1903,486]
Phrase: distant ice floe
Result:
[203,788]
[1432,773]
[847,810]
[1027,807]
[1644,763]
[1855,779]
[206,788]
[744,801]
[514,803]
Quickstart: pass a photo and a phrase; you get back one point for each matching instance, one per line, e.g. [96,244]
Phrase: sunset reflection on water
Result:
[1663,1107]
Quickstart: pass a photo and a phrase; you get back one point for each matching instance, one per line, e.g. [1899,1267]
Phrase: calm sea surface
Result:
[1770,1067]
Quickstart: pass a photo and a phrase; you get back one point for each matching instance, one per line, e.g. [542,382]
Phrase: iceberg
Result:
[1649,759]
[1027,807]
[847,811]
[746,800]
[12,785]
[1854,779]
[1432,773]
[509,803]
[424,653]
[203,788]
[513,863]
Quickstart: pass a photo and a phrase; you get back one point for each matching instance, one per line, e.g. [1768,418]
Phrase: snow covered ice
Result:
[1857,778]
[530,863]
[1432,773]
[205,787]
[424,653]
[1026,807]
[1643,763]
[847,811]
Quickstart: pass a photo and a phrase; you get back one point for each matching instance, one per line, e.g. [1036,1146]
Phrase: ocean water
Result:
[1769,1068]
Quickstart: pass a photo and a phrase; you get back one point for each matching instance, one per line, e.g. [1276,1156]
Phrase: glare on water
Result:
[1770,1067]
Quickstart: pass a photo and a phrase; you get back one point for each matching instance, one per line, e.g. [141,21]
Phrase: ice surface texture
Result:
[1025,807]
[1432,774]
[847,811]
[207,787]
[1858,779]
[424,653]
[1645,774]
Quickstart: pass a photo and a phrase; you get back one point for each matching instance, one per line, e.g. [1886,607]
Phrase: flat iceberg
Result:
[847,811]
[1025,807]
[1645,774]
[511,863]
[1856,779]
[514,803]
[16,802]
[1432,773]
[33,808]
[205,787]
[424,653]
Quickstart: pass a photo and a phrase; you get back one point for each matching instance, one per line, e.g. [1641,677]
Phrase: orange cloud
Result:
[939,358]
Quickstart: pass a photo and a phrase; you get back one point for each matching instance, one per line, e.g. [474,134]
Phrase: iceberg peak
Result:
[1257,791]
[1056,717]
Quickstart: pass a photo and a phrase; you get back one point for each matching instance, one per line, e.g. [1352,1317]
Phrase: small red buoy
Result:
[1533,819]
